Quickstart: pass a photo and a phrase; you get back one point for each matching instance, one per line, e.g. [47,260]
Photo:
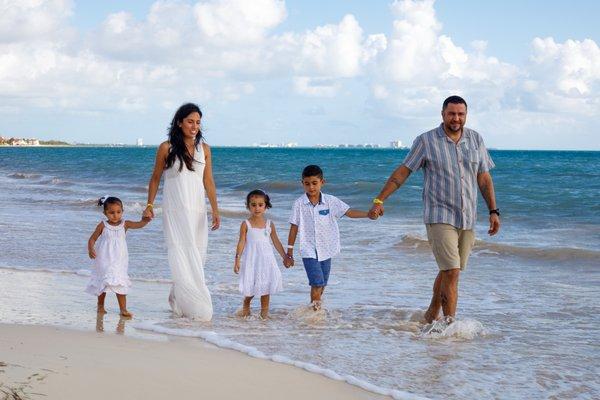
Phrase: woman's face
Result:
[190,126]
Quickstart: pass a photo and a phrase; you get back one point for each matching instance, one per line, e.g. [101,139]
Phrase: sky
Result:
[305,71]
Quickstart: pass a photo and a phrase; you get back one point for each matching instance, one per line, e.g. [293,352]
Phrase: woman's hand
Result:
[216,220]
[92,253]
[236,266]
[148,212]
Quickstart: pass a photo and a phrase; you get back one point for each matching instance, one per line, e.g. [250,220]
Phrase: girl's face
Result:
[114,212]
[190,126]
[257,205]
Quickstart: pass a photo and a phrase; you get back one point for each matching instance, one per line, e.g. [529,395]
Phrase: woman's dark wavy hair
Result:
[178,148]
[258,192]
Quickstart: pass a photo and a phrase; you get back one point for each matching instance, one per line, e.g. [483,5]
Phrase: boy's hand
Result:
[92,253]
[146,219]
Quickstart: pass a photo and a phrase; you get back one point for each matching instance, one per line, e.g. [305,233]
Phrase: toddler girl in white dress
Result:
[111,256]
[259,273]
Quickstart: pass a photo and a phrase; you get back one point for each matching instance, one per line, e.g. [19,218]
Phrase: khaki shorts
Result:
[451,246]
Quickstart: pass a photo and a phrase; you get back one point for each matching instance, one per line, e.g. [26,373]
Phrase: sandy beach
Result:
[53,363]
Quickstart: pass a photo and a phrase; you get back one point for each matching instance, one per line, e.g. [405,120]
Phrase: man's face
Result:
[454,117]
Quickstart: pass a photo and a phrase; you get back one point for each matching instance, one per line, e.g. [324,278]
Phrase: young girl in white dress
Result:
[259,273]
[111,256]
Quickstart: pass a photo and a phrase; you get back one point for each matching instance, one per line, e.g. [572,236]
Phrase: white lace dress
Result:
[259,273]
[186,233]
[111,262]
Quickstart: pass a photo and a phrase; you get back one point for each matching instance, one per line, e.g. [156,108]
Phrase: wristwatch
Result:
[495,211]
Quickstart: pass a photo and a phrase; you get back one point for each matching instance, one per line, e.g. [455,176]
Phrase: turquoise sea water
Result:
[528,309]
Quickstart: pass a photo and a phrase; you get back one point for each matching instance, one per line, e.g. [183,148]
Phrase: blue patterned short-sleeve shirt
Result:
[318,231]
[450,175]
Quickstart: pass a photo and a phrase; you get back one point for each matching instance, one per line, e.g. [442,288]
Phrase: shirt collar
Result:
[442,133]
[307,200]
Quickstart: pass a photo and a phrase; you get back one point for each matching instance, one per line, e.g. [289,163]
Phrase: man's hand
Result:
[494,224]
[376,211]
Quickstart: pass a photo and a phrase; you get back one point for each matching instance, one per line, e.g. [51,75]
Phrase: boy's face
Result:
[312,185]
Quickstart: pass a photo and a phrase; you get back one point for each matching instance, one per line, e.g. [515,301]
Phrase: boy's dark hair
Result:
[454,100]
[312,170]
[111,200]
[258,192]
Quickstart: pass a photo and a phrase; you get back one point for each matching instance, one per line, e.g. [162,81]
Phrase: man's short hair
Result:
[312,170]
[454,100]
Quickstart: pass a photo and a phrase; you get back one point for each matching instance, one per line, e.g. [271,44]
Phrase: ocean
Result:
[528,312]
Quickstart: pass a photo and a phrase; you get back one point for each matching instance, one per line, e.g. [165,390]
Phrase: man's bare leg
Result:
[315,296]
[449,291]
[435,306]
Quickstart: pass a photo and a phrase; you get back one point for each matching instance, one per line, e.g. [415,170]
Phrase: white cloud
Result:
[23,20]
[565,76]
[234,22]
[421,66]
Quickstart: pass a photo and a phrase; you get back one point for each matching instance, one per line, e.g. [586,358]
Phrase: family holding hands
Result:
[455,164]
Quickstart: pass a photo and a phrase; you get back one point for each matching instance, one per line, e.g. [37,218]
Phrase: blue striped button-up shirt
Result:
[450,175]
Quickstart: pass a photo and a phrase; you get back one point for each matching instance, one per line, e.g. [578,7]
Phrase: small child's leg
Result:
[122,299]
[246,307]
[264,306]
[101,309]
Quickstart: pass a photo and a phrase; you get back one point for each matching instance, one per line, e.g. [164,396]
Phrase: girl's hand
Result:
[92,253]
[148,212]
[216,221]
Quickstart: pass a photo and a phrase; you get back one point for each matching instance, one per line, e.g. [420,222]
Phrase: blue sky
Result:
[301,71]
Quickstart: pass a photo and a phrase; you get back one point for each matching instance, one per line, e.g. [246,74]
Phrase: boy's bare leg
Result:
[122,299]
[101,309]
[264,306]
[435,306]
[315,296]
[245,312]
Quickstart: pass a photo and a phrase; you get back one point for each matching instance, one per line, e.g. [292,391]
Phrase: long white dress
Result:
[111,262]
[259,273]
[186,234]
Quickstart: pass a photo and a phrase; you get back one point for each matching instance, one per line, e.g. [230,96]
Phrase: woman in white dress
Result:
[186,162]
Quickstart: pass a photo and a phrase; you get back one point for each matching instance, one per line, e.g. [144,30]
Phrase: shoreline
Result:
[56,362]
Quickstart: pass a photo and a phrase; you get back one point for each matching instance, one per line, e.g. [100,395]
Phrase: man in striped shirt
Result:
[455,163]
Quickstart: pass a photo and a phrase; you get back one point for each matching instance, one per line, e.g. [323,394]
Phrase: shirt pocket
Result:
[324,212]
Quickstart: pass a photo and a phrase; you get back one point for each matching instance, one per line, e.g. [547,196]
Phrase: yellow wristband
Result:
[377,201]
[150,205]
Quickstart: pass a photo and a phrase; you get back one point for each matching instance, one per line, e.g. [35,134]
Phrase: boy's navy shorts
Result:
[317,271]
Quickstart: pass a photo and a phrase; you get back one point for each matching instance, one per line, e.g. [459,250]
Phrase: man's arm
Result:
[486,187]
[397,179]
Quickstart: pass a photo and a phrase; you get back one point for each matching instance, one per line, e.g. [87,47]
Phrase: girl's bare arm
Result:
[240,247]
[277,242]
[137,224]
[92,240]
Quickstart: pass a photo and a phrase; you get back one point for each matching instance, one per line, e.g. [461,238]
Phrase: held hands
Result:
[376,211]
[148,212]
[288,261]
[494,224]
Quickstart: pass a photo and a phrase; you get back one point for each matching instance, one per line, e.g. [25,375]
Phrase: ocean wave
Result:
[80,272]
[484,248]
[23,175]
[220,341]
[273,186]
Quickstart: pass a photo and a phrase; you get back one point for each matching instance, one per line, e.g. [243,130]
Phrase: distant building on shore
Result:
[139,142]
[18,142]
[396,144]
